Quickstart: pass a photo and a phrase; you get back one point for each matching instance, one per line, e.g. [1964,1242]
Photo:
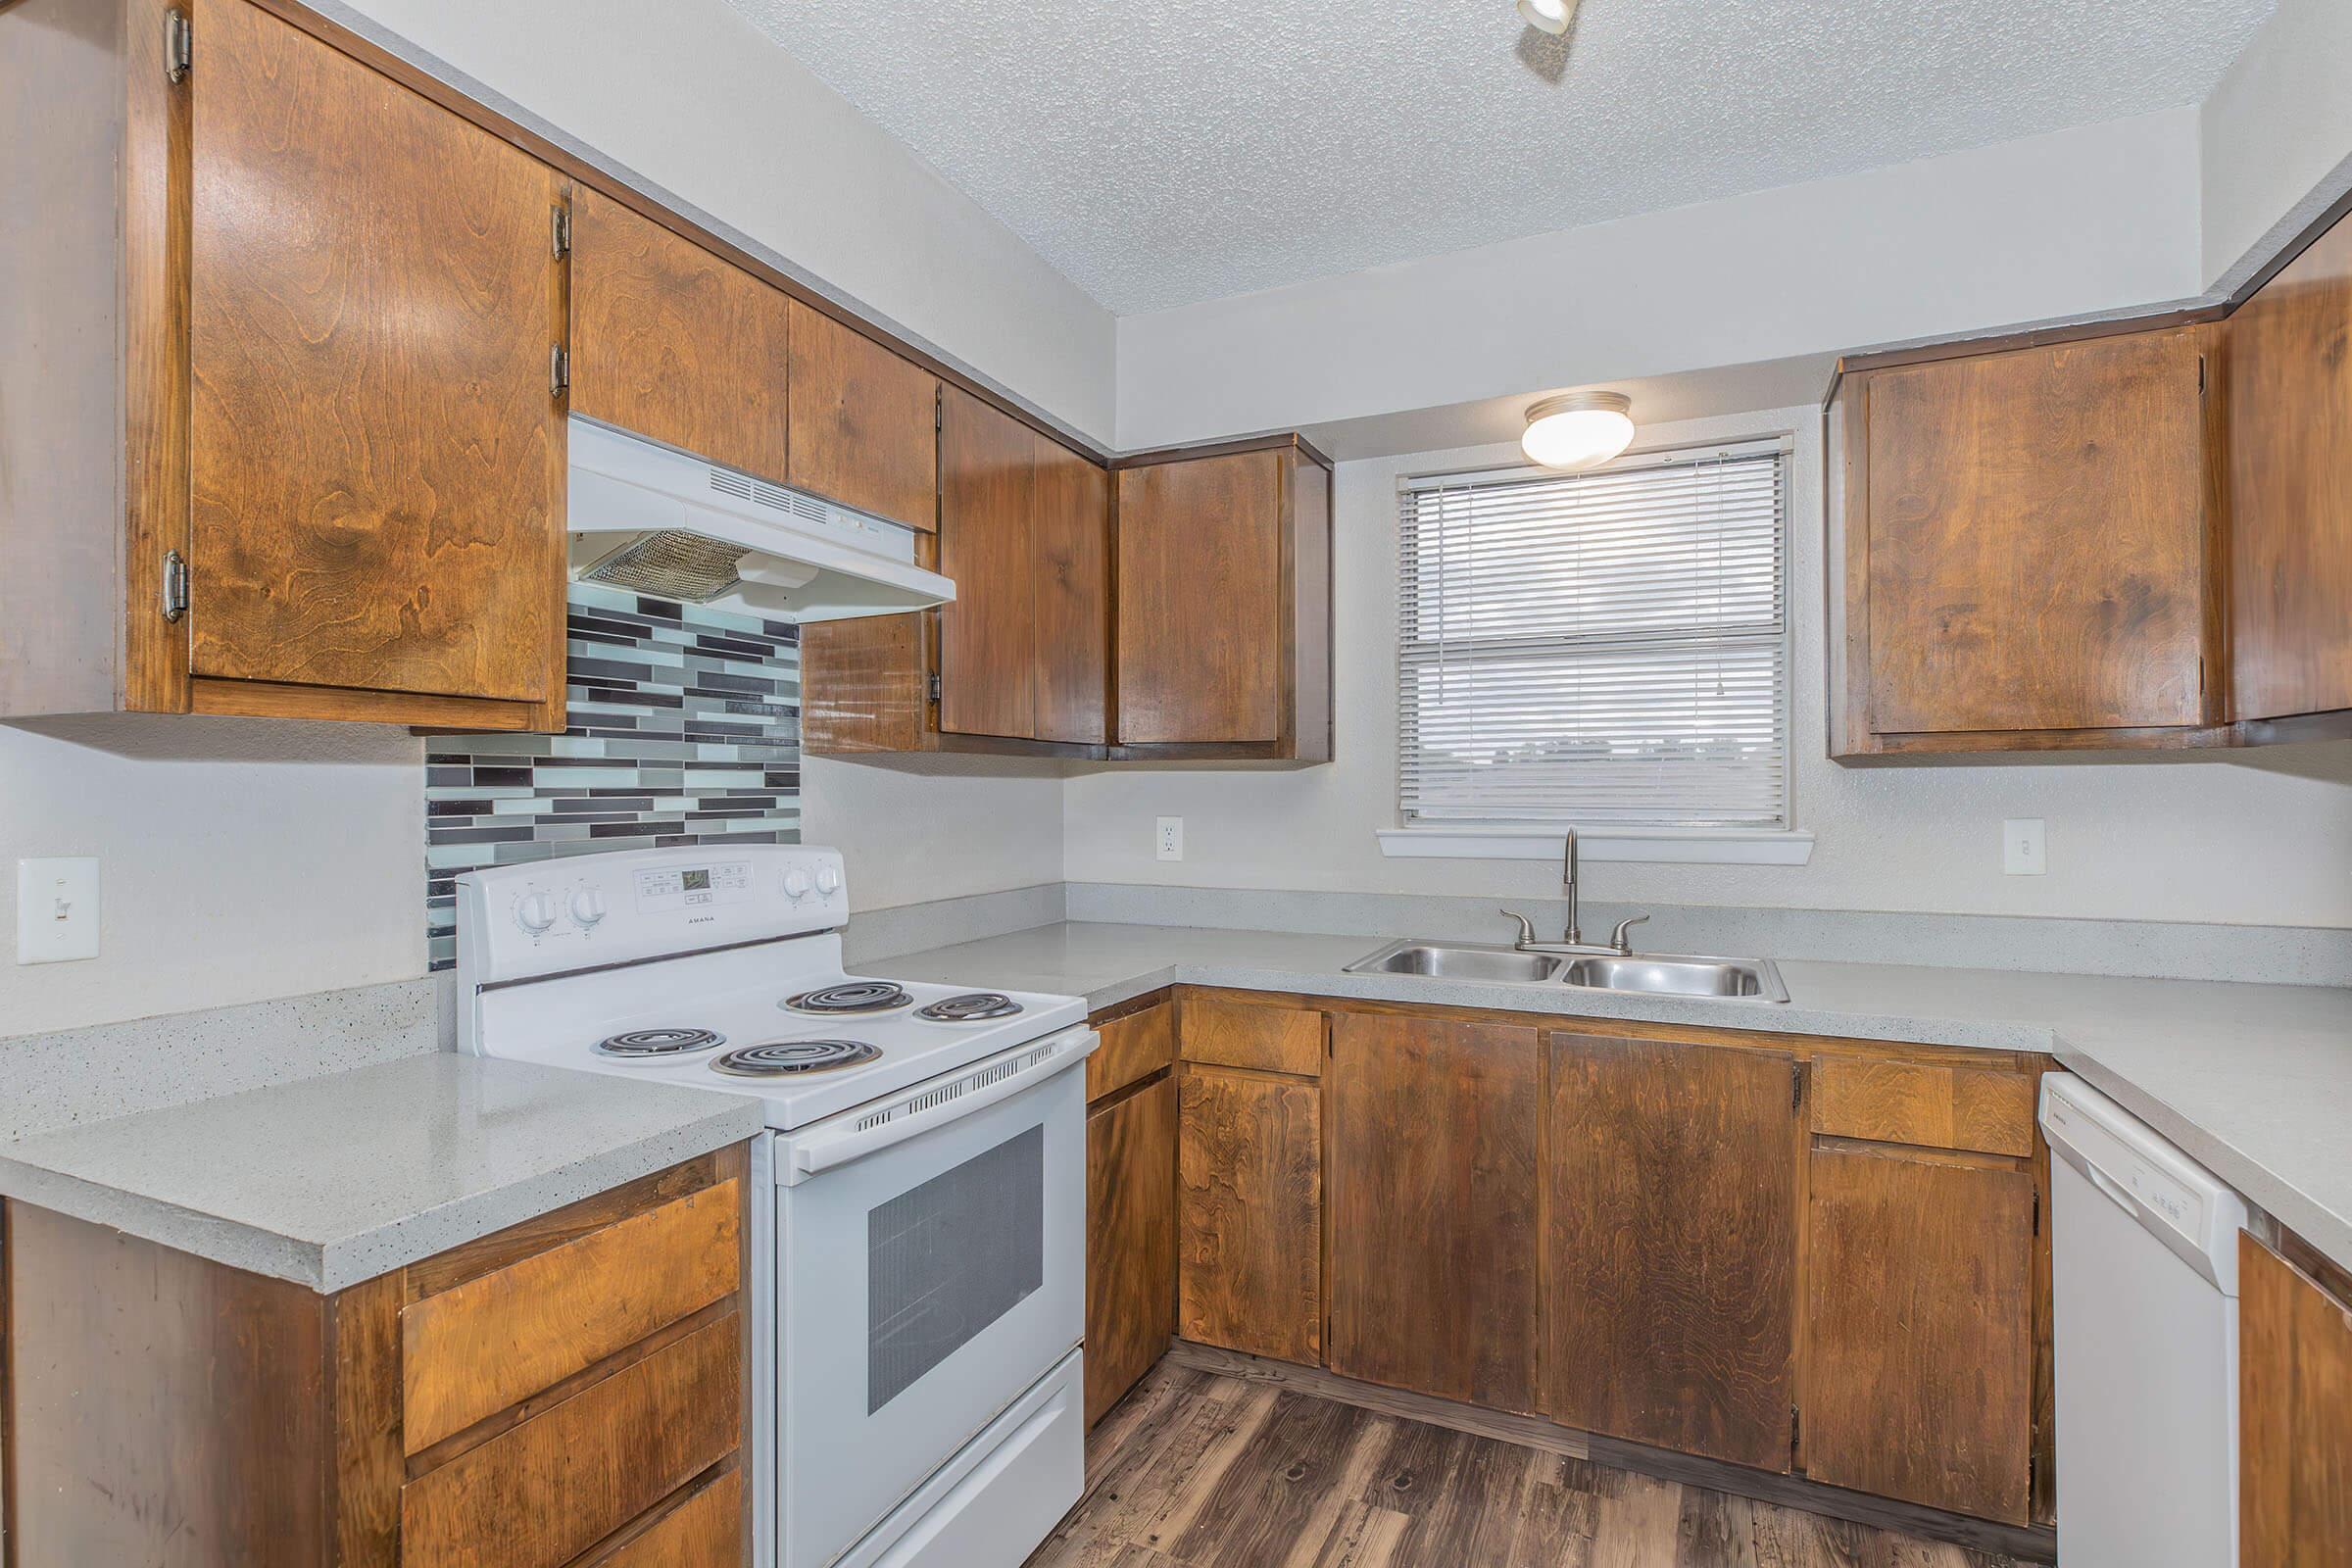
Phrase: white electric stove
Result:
[920,1195]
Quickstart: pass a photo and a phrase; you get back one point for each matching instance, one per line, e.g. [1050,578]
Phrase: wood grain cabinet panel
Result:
[1200,599]
[2295,1416]
[1919,1364]
[2289,382]
[1672,1245]
[864,421]
[1069,548]
[1435,1133]
[1247,1034]
[377,480]
[1250,1213]
[988,636]
[703,1529]
[675,343]
[1930,1103]
[1130,1240]
[1133,1049]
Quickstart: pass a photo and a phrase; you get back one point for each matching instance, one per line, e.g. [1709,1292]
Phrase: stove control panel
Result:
[588,911]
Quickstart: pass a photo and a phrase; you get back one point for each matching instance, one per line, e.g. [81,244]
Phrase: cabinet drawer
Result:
[538,1495]
[1975,1109]
[481,1346]
[700,1530]
[1240,1034]
[1133,1048]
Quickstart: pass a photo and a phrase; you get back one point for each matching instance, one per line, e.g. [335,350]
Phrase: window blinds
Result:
[1598,649]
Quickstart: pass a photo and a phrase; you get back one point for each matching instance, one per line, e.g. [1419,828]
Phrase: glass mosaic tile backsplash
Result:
[684,728]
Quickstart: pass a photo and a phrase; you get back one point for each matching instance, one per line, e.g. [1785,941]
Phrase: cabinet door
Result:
[988,636]
[1202,609]
[1130,1240]
[675,343]
[864,422]
[2290,487]
[2295,1416]
[1434,1195]
[1672,1245]
[1070,584]
[1250,1213]
[1919,1341]
[2037,538]
[378,481]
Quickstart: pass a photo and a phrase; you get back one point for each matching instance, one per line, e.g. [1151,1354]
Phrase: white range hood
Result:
[645,516]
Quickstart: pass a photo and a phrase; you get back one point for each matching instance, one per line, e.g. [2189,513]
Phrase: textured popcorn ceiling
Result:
[1169,151]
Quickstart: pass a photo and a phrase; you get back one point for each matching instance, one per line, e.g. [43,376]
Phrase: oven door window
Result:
[948,1258]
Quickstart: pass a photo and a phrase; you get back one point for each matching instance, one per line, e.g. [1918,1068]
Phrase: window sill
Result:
[1678,846]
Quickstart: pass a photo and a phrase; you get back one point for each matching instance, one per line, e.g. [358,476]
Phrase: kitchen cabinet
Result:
[2288,357]
[575,1381]
[1434,1187]
[864,421]
[1919,1350]
[2025,539]
[1674,1182]
[2294,1410]
[1129,1238]
[292,436]
[1224,606]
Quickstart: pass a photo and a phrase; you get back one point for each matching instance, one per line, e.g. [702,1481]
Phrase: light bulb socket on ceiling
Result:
[1549,16]
[1578,429]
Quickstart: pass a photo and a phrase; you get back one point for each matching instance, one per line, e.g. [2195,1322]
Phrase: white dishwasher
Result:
[2143,1249]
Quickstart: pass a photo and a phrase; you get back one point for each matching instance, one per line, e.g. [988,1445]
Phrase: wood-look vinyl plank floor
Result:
[1196,1470]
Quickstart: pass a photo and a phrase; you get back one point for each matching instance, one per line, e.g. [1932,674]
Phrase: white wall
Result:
[2265,841]
[2099,219]
[692,96]
[2276,135]
[920,828]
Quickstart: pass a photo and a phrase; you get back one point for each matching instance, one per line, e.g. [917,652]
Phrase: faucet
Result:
[1573,939]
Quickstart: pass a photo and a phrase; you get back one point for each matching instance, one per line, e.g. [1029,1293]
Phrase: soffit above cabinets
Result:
[1246,145]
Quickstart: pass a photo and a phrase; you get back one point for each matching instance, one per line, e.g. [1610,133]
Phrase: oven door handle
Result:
[828,1149]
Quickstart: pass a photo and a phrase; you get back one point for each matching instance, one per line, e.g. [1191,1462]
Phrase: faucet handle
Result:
[1527,927]
[1618,938]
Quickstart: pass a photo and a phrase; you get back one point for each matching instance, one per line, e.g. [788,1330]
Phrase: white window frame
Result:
[1791,845]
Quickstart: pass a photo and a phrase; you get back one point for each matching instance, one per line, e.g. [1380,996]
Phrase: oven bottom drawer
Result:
[993,1503]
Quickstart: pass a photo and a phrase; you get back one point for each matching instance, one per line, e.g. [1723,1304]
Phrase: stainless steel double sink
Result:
[1647,973]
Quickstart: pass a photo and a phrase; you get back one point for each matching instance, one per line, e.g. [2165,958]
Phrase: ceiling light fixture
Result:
[1549,16]
[1581,430]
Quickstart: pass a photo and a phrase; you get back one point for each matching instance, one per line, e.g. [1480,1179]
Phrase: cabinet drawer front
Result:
[540,1495]
[1133,1048]
[480,1347]
[702,1529]
[1238,1034]
[1973,1108]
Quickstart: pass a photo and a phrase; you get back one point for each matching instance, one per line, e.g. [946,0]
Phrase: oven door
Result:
[931,1268]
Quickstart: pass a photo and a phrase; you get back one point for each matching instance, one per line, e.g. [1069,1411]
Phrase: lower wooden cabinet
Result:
[2294,1414]
[568,1391]
[1250,1212]
[1434,1172]
[1130,1238]
[1672,1245]
[1919,1347]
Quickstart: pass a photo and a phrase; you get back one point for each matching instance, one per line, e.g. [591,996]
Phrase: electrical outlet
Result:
[57,910]
[2024,849]
[1170,839]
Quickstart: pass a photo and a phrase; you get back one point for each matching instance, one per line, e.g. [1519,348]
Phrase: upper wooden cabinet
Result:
[1224,607]
[864,422]
[675,343]
[2025,539]
[2288,354]
[287,432]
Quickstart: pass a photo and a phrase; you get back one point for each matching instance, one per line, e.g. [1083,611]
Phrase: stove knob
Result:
[828,880]
[535,912]
[587,907]
[796,884]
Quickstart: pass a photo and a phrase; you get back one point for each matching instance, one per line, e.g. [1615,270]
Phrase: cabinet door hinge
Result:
[174,601]
[2200,375]
[2037,1213]
[1796,1086]
[180,45]
[1797,1429]
[939,411]
[559,369]
[934,687]
[559,235]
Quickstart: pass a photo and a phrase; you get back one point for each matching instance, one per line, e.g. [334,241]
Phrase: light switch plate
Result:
[1170,839]
[57,910]
[2025,851]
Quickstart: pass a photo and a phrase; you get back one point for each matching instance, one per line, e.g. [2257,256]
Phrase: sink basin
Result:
[1668,976]
[1459,961]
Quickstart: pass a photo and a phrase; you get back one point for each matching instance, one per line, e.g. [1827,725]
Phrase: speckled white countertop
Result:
[333,1180]
[2255,1081]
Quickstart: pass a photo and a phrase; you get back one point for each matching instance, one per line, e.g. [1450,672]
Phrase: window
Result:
[1606,650]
